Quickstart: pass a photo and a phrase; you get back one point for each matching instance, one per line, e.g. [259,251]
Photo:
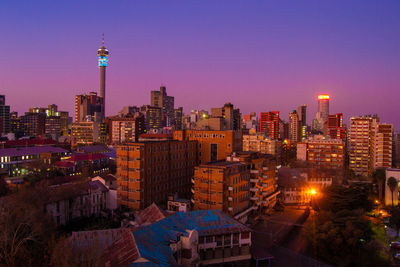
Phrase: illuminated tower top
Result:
[102,53]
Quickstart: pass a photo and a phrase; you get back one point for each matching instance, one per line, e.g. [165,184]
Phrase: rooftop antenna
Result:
[102,38]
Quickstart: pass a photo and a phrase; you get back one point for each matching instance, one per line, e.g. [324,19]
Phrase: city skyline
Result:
[259,71]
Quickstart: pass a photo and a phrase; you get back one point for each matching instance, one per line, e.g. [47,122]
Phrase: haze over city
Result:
[257,55]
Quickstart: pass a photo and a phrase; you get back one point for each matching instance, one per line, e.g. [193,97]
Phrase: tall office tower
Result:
[269,124]
[15,124]
[53,127]
[166,103]
[334,127]
[294,124]
[178,118]
[152,117]
[102,54]
[323,112]
[88,107]
[149,171]
[4,115]
[360,144]
[302,114]
[382,145]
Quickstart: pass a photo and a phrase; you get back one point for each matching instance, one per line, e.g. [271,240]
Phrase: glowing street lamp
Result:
[313,192]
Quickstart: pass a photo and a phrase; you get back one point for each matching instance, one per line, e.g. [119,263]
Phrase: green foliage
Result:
[340,234]
[337,198]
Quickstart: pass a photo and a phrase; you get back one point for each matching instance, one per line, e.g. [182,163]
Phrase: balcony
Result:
[265,185]
[230,188]
[252,180]
[254,198]
[253,189]
[265,169]
[230,209]
[230,198]
[254,171]
[192,181]
[193,191]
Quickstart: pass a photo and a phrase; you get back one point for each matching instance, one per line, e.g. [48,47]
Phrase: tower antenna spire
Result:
[102,38]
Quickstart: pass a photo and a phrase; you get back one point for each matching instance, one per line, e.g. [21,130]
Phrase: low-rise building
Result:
[261,143]
[70,201]
[196,238]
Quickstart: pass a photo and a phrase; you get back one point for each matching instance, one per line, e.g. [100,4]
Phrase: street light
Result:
[313,192]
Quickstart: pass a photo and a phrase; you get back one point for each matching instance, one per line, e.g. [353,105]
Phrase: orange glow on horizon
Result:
[323,96]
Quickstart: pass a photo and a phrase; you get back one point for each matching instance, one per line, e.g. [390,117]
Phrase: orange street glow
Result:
[313,192]
[323,96]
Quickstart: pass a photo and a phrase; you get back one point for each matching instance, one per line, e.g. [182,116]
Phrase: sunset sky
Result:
[258,55]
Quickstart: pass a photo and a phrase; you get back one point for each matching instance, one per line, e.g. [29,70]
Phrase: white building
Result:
[391,172]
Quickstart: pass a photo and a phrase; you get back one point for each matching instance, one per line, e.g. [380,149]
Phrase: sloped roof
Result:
[86,157]
[99,239]
[149,215]
[122,252]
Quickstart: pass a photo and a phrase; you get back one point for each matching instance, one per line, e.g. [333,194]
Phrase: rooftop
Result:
[222,163]
[32,150]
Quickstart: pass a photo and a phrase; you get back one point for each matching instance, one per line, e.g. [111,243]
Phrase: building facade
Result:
[150,171]
[212,145]
[223,186]
[269,124]
[4,115]
[322,152]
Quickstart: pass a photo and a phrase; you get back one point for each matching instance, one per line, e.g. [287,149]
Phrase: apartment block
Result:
[260,143]
[269,124]
[382,147]
[150,171]
[322,152]
[221,185]
[128,129]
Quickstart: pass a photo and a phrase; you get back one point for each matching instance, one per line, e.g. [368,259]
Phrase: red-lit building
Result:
[334,127]
[269,124]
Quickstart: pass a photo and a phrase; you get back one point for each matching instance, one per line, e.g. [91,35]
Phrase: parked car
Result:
[395,245]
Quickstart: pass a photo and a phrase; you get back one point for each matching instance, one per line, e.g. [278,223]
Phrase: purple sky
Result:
[259,55]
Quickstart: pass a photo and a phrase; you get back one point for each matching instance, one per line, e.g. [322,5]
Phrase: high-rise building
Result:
[88,107]
[34,124]
[150,171]
[250,121]
[178,118]
[334,127]
[302,114]
[152,116]
[102,54]
[15,124]
[161,100]
[231,116]
[222,185]
[382,146]
[322,152]
[269,124]
[294,126]
[323,112]
[126,130]
[360,144]
[4,115]
[57,128]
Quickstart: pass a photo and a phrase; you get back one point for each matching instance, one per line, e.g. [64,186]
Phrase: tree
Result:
[24,229]
[392,183]
[380,177]
[395,219]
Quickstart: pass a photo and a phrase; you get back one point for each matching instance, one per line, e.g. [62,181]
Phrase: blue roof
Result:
[153,240]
